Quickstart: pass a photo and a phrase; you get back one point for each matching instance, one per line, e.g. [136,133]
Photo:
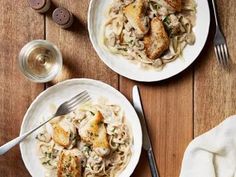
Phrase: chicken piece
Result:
[175,4]
[68,165]
[64,133]
[94,132]
[135,13]
[156,41]
[170,5]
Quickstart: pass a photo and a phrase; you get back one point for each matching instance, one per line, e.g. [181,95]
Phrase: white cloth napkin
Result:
[212,154]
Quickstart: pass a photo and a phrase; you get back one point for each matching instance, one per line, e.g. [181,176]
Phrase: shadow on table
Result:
[77,27]
[69,71]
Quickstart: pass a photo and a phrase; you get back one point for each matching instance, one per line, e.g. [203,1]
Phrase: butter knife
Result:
[146,140]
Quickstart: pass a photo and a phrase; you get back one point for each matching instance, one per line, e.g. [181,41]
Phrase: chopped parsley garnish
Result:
[166,20]
[47,163]
[92,113]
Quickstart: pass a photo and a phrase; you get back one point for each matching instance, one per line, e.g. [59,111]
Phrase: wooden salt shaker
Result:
[63,17]
[40,6]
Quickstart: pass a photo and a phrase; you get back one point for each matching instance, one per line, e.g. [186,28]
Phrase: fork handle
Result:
[215,12]
[6,147]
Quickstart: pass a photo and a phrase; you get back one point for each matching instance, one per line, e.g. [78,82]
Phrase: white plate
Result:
[96,18]
[58,94]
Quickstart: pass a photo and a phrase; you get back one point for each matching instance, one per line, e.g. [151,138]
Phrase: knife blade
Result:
[139,109]
[146,139]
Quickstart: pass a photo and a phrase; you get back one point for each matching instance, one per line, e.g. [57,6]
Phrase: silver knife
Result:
[146,140]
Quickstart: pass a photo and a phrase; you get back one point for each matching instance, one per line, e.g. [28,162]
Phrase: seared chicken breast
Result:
[64,133]
[68,165]
[171,5]
[135,13]
[94,132]
[156,41]
[175,4]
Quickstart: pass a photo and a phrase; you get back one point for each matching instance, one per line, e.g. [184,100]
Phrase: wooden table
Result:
[177,109]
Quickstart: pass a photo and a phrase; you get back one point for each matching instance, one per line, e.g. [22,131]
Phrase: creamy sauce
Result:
[135,51]
[92,162]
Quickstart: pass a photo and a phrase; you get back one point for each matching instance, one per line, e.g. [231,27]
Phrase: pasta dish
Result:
[151,32]
[92,141]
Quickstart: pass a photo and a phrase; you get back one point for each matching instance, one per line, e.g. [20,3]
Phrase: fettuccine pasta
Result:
[124,31]
[96,136]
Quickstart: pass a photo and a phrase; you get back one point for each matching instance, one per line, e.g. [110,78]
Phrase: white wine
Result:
[40,61]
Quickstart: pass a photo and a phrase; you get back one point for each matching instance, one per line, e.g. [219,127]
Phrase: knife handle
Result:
[152,163]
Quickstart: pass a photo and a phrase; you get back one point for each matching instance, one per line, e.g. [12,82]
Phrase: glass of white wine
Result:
[40,61]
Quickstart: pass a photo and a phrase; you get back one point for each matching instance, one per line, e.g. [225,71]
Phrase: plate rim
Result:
[89,26]
[35,101]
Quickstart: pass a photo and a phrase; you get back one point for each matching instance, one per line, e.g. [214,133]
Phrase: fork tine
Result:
[225,61]
[77,96]
[226,51]
[220,55]
[217,55]
[81,102]
[77,99]
[84,100]
[69,106]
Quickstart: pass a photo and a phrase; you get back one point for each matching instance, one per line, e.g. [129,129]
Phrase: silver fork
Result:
[63,109]
[220,46]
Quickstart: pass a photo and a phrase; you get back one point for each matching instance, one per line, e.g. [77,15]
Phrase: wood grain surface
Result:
[168,109]
[176,110]
[18,25]
[214,87]
[80,59]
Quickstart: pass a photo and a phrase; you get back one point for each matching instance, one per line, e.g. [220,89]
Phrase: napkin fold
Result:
[212,154]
